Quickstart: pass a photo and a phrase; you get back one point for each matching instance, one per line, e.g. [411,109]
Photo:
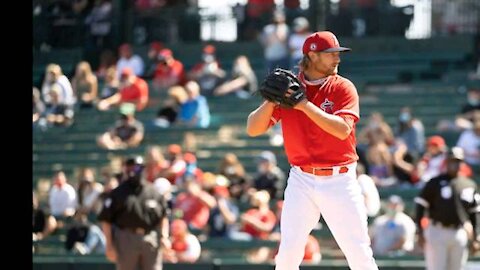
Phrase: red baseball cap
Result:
[165,53]
[126,71]
[209,49]
[436,141]
[324,41]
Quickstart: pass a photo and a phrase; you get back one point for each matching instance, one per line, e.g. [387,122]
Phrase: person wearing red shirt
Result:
[133,89]
[169,70]
[260,220]
[319,140]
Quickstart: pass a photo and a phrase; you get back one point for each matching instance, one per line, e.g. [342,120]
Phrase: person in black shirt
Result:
[43,223]
[134,221]
[453,208]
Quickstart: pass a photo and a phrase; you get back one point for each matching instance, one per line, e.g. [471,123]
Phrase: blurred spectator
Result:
[243,81]
[43,224]
[259,220]
[296,39]
[369,191]
[110,184]
[88,191]
[133,89]
[127,132]
[376,124]
[432,163]
[152,60]
[394,232]
[224,215]
[62,197]
[83,237]
[129,60]
[54,76]
[194,112]
[177,165]
[207,73]
[470,109]
[37,105]
[155,163]
[110,85]
[411,131]
[85,85]
[99,21]
[107,61]
[269,176]
[469,141]
[57,113]
[193,205]
[185,246]
[258,14]
[233,169]
[164,187]
[192,171]
[380,160]
[189,142]
[312,253]
[169,71]
[274,40]
[168,112]
[403,163]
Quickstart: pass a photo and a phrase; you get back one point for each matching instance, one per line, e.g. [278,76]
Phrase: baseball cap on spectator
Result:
[324,41]
[300,23]
[210,49]
[267,156]
[189,158]
[164,54]
[456,153]
[395,199]
[437,141]
[174,149]
[127,108]
[156,45]
[126,71]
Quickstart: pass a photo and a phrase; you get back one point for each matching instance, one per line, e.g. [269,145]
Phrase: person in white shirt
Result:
[469,141]
[185,246]
[274,40]
[394,232]
[62,197]
[296,39]
[369,191]
[54,77]
[128,59]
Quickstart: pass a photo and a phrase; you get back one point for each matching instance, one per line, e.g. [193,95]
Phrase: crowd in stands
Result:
[230,203]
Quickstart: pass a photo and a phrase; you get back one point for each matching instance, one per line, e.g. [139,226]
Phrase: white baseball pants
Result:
[338,198]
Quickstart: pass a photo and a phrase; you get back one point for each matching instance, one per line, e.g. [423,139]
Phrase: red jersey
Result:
[195,212]
[306,144]
[174,71]
[134,92]
[267,218]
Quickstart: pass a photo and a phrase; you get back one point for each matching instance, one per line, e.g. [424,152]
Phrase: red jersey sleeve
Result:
[346,100]
[275,116]
[143,88]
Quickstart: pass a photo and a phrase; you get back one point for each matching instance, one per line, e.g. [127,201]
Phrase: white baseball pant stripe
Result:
[339,199]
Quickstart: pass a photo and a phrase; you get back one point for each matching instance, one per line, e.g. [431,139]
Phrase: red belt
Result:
[322,171]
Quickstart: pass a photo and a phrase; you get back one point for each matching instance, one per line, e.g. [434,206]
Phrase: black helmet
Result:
[135,167]
[134,160]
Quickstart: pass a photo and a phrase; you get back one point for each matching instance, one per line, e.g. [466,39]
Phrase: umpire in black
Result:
[452,203]
[134,221]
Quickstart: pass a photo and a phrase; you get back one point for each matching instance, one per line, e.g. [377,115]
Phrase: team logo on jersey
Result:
[313,46]
[327,106]
[446,192]
[151,203]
